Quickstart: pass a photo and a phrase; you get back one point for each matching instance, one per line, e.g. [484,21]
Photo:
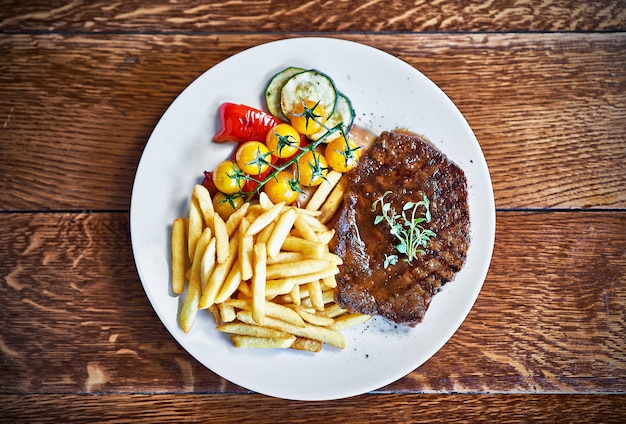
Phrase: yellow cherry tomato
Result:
[225,205]
[283,141]
[227,177]
[308,117]
[342,154]
[311,169]
[253,157]
[283,187]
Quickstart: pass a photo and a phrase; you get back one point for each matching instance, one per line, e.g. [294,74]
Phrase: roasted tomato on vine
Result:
[228,178]
[342,154]
[225,205]
[308,117]
[283,141]
[311,169]
[243,123]
[283,187]
[253,157]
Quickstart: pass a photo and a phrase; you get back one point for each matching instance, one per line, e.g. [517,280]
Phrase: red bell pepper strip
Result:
[242,123]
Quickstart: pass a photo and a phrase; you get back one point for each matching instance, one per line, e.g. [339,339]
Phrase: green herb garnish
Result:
[408,230]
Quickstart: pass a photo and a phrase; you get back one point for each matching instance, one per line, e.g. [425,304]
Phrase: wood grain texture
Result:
[548,109]
[312,16]
[551,317]
[423,408]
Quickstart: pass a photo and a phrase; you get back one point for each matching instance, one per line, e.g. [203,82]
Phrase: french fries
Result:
[266,274]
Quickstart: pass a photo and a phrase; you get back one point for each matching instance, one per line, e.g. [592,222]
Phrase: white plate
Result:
[386,93]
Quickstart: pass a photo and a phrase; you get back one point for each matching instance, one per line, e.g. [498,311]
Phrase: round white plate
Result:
[386,93]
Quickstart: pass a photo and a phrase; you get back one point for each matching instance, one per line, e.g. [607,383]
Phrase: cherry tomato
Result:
[253,157]
[243,123]
[227,177]
[225,205]
[283,140]
[283,187]
[342,154]
[311,169]
[308,117]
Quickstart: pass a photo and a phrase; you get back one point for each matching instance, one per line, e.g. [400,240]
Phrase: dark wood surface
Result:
[543,85]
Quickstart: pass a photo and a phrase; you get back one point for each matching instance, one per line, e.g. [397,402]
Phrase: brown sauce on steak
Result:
[409,166]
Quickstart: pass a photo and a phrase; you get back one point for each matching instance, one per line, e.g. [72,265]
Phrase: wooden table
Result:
[543,85]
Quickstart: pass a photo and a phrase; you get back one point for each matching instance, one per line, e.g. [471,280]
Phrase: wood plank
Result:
[550,319]
[449,408]
[78,109]
[313,16]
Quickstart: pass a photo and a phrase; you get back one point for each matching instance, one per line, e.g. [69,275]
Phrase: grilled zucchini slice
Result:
[272,91]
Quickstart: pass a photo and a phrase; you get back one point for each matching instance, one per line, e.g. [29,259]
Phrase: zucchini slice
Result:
[272,91]
[310,85]
[343,115]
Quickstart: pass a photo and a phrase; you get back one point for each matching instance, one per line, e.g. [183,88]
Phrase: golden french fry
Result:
[251,330]
[265,219]
[246,247]
[275,288]
[265,233]
[221,239]
[274,310]
[309,331]
[285,257]
[258,283]
[326,236]
[205,203]
[333,201]
[307,344]
[264,201]
[194,226]
[305,229]
[294,295]
[313,318]
[192,298]
[315,223]
[244,291]
[330,269]
[214,310]
[207,263]
[252,342]
[329,282]
[309,248]
[281,230]
[349,320]
[227,312]
[232,281]
[327,297]
[234,220]
[331,257]
[217,277]
[292,269]
[315,294]
[323,190]
[332,310]
[179,258]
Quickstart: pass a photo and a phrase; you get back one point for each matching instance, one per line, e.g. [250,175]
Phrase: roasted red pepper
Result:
[242,123]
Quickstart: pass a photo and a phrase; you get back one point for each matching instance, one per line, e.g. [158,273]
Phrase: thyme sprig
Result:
[406,227]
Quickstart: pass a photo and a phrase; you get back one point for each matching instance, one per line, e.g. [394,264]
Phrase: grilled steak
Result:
[409,166]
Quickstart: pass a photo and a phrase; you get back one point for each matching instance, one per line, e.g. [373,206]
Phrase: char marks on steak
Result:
[409,166]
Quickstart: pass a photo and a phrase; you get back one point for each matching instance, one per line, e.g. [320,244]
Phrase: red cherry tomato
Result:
[243,123]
